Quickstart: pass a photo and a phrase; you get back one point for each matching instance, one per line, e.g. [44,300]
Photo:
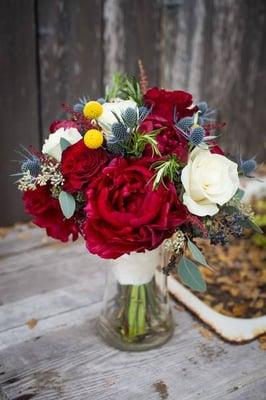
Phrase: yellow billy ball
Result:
[93,110]
[93,139]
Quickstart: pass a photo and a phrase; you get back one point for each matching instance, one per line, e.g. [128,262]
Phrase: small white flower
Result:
[209,179]
[52,144]
[110,110]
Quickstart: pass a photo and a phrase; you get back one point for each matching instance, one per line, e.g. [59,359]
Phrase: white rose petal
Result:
[52,144]
[209,179]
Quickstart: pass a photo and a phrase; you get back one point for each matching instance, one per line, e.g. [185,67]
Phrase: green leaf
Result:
[67,204]
[230,209]
[190,275]
[64,144]
[247,223]
[239,194]
[196,253]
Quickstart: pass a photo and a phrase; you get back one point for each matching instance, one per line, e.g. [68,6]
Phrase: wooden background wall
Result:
[55,50]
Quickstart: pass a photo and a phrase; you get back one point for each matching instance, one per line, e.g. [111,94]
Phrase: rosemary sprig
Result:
[124,87]
[139,141]
[166,168]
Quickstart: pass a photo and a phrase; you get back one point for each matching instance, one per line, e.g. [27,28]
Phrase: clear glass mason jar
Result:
[136,313]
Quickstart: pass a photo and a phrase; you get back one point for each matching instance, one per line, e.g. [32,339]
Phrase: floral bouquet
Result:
[128,172]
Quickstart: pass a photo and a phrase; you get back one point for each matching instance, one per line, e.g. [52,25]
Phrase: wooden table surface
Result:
[50,297]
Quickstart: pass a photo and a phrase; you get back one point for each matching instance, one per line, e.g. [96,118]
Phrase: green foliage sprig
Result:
[139,141]
[124,87]
[166,168]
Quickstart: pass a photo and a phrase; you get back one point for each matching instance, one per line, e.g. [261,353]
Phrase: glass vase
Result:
[136,314]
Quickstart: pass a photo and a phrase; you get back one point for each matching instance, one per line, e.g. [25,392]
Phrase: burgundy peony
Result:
[62,124]
[80,165]
[125,214]
[47,214]
[164,103]
[170,140]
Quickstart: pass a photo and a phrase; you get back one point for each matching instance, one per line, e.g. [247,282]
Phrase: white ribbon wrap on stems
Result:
[136,268]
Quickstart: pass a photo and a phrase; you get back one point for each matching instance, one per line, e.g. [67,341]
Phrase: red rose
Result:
[80,165]
[125,214]
[164,103]
[47,214]
[215,149]
[170,140]
[62,124]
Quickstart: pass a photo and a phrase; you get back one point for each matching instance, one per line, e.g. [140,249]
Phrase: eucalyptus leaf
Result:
[247,223]
[230,209]
[240,194]
[196,253]
[67,204]
[64,144]
[190,275]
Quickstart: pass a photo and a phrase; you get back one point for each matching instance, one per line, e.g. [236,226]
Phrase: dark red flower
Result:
[216,149]
[164,103]
[170,140]
[47,214]
[62,124]
[125,214]
[80,165]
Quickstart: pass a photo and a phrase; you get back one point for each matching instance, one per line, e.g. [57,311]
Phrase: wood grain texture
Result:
[142,37]
[113,39]
[18,100]
[214,49]
[62,357]
[70,53]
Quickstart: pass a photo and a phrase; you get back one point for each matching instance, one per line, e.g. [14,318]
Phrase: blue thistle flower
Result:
[78,107]
[115,148]
[32,165]
[130,117]
[101,100]
[185,123]
[143,112]
[248,166]
[202,106]
[119,132]
[197,135]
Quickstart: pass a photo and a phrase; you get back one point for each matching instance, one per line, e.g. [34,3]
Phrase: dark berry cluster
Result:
[170,266]
[228,226]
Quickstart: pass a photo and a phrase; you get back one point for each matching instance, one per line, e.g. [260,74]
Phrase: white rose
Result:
[110,110]
[52,144]
[209,179]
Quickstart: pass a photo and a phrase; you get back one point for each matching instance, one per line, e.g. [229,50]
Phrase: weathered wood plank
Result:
[18,100]
[128,38]
[86,368]
[142,37]
[22,239]
[62,357]
[70,53]
[50,267]
[235,72]
[214,49]
[113,39]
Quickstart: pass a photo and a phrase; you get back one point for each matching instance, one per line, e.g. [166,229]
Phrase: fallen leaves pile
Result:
[237,287]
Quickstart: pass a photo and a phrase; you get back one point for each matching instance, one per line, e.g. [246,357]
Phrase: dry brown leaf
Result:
[32,323]
[262,341]
[237,287]
[205,332]
[4,232]
[24,235]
